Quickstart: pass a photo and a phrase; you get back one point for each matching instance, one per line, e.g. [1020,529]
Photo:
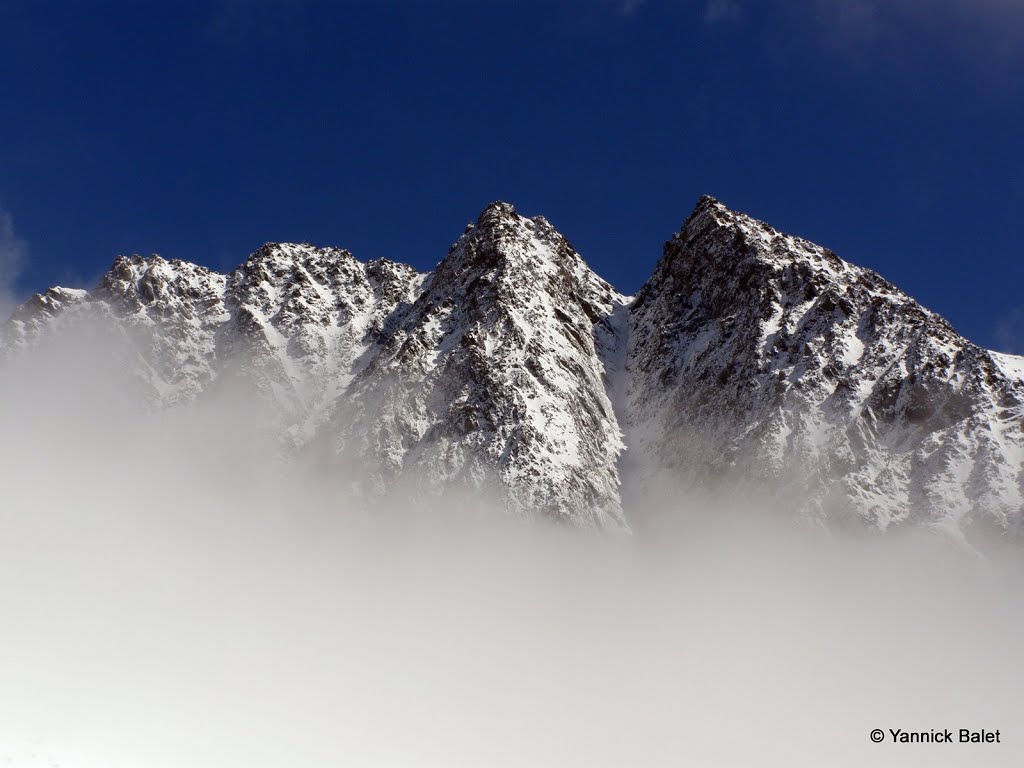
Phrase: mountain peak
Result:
[495,374]
[709,201]
[502,240]
[718,239]
[499,209]
[706,205]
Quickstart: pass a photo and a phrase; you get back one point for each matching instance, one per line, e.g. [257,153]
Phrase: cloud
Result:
[988,33]
[1010,331]
[176,592]
[722,10]
[13,251]
[172,596]
[984,37]
[861,18]
[993,22]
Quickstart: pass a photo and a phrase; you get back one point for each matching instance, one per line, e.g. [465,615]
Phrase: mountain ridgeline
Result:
[751,362]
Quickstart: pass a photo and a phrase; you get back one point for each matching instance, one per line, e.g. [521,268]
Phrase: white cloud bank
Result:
[175,595]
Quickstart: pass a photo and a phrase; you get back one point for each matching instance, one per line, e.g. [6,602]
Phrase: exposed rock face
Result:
[750,359]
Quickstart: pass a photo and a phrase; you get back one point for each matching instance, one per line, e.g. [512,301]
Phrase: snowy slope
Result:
[761,357]
[493,377]
[303,320]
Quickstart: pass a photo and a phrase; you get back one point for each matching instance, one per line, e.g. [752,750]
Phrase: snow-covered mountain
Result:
[293,321]
[495,375]
[750,359]
[756,356]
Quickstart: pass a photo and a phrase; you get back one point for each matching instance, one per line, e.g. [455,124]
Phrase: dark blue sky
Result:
[888,130]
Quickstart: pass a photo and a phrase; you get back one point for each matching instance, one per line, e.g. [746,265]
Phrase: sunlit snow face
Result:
[173,594]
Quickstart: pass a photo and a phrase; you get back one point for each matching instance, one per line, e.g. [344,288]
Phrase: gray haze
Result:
[176,593]
[12,259]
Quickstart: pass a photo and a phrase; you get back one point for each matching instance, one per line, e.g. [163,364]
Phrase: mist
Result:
[177,592]
[12,258]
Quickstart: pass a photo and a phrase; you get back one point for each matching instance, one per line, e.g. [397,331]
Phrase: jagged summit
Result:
[751,359]
[752,238]
[500,212]
[502,241]
[497,210]
[273,250]
[708,202]
[728,261]
[707,206]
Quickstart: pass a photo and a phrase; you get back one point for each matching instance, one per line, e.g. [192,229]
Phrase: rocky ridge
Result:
[751,359]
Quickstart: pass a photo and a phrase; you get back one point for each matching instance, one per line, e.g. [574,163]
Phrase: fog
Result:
[175,593]
[12,258]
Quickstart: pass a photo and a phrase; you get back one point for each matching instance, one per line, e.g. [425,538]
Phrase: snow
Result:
[1010,365]
[770,328]
[854,348]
